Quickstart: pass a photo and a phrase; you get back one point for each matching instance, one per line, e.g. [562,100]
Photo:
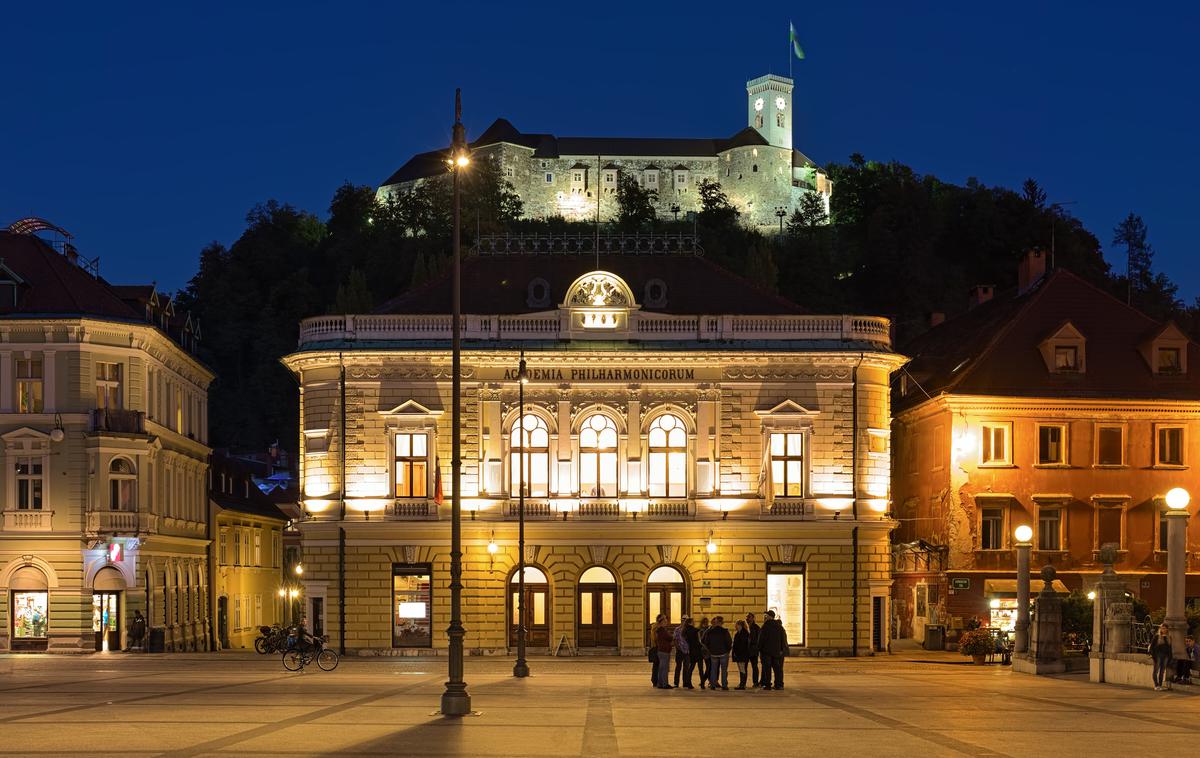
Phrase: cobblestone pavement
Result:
[239,704]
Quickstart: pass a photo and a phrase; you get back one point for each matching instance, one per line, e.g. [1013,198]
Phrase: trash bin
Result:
[935,636]
[157,640]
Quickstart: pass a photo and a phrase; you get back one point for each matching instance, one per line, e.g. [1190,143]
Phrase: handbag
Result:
[652,654]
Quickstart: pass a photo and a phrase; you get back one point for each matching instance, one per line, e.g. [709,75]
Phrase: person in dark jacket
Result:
[691,636]
[741,652]
[1160,652]
[703,660]
[662,643]
[772,646]
[652,649]
[681,649]
[719,645]
[1183,666]
[755,630]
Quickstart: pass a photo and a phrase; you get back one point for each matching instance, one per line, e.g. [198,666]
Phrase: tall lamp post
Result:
[1023,534]
[455,700]
[521,669]
[1177,517]
[780,213]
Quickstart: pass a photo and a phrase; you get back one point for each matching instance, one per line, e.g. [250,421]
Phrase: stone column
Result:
[1021,643]
[1176,574]
[1048,649]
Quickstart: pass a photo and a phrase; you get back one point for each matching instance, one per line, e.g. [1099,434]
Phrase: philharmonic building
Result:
[576,177]
[687,445]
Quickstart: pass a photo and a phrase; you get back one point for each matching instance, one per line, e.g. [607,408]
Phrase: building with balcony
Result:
[1055,406]
[103,421]
[687,445]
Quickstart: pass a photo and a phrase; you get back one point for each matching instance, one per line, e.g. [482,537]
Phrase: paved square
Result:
[238,704]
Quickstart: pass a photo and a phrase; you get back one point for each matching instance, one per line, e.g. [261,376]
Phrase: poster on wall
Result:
[29,614]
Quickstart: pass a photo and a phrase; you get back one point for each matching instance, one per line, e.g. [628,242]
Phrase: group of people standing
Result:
[1162,654]
[710,646]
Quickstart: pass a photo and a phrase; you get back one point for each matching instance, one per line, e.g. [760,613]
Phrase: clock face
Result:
[758,104]
[780,103]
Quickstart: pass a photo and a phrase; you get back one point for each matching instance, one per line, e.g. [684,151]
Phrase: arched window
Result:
[122,484]
[598,457]
[758,120]
[668,457]
[666,593]
[529,457]
[779,119]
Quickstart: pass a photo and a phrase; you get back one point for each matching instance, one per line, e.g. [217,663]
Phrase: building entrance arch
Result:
[666,593]
[537,608]
[108,586]
[597,608]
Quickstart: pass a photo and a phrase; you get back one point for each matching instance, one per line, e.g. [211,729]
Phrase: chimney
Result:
[1030,270]
[936,318]
[980,294]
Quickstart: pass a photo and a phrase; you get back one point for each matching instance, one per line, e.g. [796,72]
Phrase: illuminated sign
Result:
[116,552]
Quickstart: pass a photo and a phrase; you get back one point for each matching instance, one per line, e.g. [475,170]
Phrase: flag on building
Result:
[799,51]
[438,497]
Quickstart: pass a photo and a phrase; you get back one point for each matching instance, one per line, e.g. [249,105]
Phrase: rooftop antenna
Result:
[598,170]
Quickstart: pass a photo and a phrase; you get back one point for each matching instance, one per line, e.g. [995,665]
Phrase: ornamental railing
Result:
[642,326]
[577,244]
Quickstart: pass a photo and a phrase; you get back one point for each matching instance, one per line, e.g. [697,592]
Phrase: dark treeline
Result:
[894,243]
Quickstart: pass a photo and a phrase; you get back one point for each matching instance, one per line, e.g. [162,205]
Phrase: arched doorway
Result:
[537,609]
[666,592]
[597,608]
[29,611]
[106,608]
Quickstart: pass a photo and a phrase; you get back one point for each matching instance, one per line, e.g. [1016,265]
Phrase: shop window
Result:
[1050,529]
[529,457]
[412,612]
[995,449]
[122,485]
[30,614]
[991,528]
[1110,446]
[1052,445]
[787,464]
[667,442]
[598,457]
[1169,447]
[108,387]
[29,385]
[785,596]
[412,464]
[29,483]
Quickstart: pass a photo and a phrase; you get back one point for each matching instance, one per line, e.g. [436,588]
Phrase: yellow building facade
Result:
[670,461]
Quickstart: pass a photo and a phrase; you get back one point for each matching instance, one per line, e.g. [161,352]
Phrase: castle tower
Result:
[769,105]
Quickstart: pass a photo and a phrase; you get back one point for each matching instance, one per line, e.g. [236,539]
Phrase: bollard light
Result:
[1178,499]
[1023,533]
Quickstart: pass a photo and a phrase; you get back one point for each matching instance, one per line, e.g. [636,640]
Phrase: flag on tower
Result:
[799,51]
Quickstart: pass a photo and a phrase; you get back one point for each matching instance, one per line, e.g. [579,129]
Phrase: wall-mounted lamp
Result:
[58,434]
[710,546]
[299,569]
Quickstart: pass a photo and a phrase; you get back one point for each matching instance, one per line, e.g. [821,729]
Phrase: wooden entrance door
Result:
[597,615]
[537,615]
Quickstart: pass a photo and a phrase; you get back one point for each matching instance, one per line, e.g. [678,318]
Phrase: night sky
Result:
[151,131]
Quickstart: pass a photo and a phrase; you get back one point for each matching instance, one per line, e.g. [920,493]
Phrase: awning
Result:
[1009,586]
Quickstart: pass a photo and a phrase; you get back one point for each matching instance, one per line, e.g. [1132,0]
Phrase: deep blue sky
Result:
[149,131]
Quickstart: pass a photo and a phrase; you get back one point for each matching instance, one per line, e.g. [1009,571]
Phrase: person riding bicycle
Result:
[301,640]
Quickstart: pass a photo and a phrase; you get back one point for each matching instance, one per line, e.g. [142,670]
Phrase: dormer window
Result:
[1169,360]
[1066,358]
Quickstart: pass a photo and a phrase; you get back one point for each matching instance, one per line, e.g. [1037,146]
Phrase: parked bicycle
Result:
[271,639]
[305,652]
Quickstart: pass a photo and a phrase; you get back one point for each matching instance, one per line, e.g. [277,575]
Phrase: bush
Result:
[1077,613]
[976,642]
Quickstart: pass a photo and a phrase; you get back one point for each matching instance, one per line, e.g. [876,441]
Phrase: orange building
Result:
[1054,405]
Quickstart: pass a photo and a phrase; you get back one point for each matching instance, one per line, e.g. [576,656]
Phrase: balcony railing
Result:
[122,522]
[28,521]
[642,326]
[118,420]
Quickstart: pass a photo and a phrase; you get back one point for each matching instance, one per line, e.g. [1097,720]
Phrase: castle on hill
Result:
[758,168]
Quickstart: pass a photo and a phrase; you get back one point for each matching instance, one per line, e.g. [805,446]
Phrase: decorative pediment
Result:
[411,408]
[25,439]
[1065,350]
[599,289]
[786,409]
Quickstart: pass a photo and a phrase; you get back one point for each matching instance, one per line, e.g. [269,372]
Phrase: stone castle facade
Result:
[577,177]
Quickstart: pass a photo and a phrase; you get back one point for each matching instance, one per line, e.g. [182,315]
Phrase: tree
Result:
[1033,194]
[809,215]
[761,269]
[353,295]
[1139,256]
[635,204]
[715,209]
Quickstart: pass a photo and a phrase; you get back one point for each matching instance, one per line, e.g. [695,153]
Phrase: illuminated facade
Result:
[103,422]
[688,445]
[1054,406]
[576,177]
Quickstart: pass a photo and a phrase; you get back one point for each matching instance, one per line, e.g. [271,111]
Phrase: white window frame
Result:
[39,479]
[393,438]
[985,428]
[668,450]
[108,386]
[258,547]
[120,480]
[786,458]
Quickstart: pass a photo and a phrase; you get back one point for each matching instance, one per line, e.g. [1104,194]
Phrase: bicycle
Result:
[302,655]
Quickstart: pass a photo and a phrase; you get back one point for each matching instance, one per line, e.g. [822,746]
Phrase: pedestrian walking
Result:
[719,645]
[772,646]
[662,642]
[681,648]
[1160,654]
[755,630]
[692,636]
[652,649]
[703,662]
[741,652]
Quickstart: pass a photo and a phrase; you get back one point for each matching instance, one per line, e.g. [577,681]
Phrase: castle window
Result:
[549,178]
[779,119]
[668,457]
[758,121]
[578,176]
[509,172]
[754,168]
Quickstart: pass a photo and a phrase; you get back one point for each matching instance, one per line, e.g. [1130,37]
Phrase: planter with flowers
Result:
[976,643]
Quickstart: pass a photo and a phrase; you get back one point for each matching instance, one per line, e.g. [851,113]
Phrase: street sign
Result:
[960,583]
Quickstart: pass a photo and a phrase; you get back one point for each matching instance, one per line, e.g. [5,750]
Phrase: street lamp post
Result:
[455,700]
[780,213]
[1023,534]
[675,210]
[521,669]
[1177,517]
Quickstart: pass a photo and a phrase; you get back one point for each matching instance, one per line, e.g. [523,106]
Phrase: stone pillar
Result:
[1048,647]
[1117,630]
[1176,576]
[1021,644]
